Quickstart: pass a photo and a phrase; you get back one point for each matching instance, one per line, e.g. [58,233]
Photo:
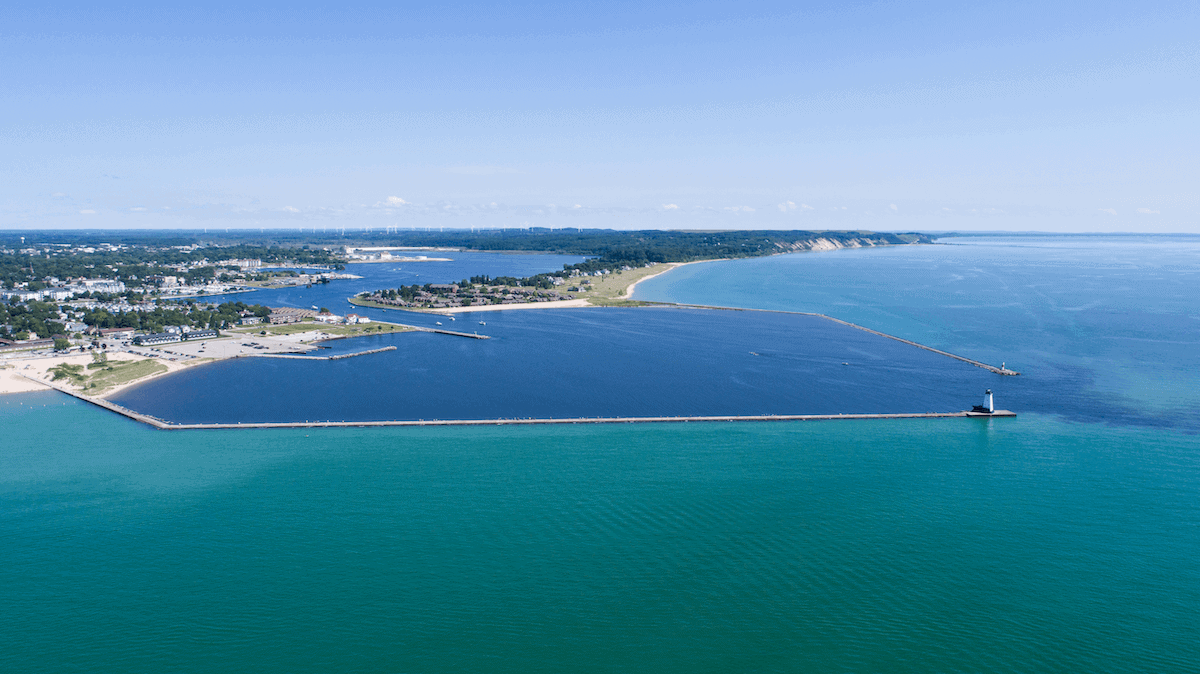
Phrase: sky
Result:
[889,116]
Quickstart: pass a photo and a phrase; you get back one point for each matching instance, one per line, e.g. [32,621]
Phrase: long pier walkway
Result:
[168,426]
[285,356]
[990,368]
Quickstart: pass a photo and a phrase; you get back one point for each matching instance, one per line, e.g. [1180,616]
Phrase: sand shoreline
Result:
[29,374]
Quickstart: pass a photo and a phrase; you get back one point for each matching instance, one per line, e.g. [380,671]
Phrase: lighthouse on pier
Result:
[988,406]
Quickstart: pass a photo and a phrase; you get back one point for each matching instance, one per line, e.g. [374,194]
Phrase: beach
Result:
[130,368]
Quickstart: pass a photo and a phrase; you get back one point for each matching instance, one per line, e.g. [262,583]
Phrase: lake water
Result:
[1060,541]
[1114,319]
[581,363]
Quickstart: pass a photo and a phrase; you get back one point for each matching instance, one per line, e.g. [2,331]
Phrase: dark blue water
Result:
[581,363]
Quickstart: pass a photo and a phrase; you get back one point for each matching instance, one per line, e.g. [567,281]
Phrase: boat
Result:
[438,322]
[482,323]
[451,318]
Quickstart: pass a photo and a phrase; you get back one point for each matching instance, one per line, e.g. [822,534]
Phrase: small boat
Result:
[451,318]
[438,322]
[482,323]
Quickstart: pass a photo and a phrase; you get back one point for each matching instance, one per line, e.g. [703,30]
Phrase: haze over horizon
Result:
[885,116]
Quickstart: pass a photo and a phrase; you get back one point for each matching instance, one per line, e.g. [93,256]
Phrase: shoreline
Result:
[673,266]
[33,374]
[17,379]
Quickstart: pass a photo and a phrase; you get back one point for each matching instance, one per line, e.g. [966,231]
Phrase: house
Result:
[201,334]
[328,318]
[354,319]
[250,320]
[116,333]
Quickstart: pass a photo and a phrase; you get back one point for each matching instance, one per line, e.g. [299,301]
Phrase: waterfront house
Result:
[156,338]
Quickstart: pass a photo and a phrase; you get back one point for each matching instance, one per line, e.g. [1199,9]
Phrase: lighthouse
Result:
[988,407]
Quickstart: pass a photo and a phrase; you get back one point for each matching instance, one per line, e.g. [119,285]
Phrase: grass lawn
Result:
[609,290]
[281,329]
[121,372]
[338,330]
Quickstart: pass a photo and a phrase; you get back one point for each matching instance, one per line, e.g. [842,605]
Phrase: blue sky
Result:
[885,116]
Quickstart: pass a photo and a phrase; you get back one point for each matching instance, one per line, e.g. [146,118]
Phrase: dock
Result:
[472,335]
[161,424]
[286,356]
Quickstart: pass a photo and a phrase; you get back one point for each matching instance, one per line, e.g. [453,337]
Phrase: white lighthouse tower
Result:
[987,401]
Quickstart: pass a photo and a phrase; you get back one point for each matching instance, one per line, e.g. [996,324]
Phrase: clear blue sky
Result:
[932,116]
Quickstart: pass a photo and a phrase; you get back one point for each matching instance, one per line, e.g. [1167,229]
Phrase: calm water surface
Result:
[944,545]
[1061,541]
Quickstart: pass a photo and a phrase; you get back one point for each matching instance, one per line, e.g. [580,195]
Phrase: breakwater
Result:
[472,335]
[169,426]
[337,357]
[990,368]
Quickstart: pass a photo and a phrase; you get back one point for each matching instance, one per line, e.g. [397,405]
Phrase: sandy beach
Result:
[16,373]
[15,378]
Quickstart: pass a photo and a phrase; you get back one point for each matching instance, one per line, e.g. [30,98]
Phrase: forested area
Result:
[139,263]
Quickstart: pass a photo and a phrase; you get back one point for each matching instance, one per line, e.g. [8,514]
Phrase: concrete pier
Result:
[169,426]
[285,356]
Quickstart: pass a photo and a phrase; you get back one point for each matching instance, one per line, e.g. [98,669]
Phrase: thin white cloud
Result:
[1110,211]
[1148,211]
[291,209]
[395,201]
[894,207]
[87,211]
[670,207]
[58,195]
[740,209]
[139,208]
[947,210]
[577,206]
[481,170]
[806,207]
[787,206]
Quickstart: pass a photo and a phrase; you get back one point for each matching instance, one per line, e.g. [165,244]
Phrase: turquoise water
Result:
[1042,543]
